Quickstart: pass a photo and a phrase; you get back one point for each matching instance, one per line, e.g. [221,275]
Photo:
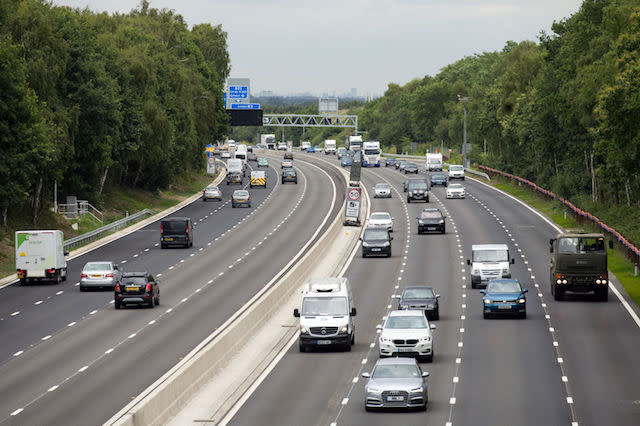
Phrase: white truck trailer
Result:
[268,140]
[353,143]
[371,154]
[433,162]
[40,256]
[330,146]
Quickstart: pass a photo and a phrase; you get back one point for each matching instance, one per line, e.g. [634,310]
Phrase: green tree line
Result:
[563,111]
[91,99]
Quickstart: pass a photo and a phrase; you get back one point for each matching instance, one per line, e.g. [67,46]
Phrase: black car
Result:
[376,242]
[410,168]
[438,179]
[390,162]
[421,297]
[176,231]
[289,175]
[417,191]
[408,181]
[288,155]
[137,288]
[251,156]
[431,220]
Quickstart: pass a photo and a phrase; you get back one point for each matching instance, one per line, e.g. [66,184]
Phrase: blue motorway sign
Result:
[239,92]
[225,99]
[245,106]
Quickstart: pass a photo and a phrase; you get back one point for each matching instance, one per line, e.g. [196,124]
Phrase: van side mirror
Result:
[513,261]
[610,244]
[353,312]
[437,296]
[469,262]
[526,290]
[379,327]
[296,313]
[432,326]
[366,375]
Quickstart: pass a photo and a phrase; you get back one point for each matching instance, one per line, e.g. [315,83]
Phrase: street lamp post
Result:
[464,99]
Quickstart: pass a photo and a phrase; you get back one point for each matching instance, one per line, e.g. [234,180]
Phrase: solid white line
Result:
[15,313]
[18,353]
[18,411]
[83,369]
[52,388]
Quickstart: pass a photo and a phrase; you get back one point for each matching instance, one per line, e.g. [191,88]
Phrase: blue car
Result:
[504,297]
[346,161]
[311,149]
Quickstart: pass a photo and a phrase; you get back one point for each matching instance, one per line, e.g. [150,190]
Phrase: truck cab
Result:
[488,262]
[579,264]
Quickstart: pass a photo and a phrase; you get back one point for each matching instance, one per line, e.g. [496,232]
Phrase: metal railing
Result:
[71,211]
[111,227]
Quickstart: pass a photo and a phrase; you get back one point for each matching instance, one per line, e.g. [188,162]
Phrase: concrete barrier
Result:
[164,398]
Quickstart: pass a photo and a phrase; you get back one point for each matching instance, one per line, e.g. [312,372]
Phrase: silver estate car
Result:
[396,383]
[99,275]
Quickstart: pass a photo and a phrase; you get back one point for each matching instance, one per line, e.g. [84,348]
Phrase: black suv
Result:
[289,175]
[423,298]
[137,288]
[431,220]
[376,242]
[410,168]
[417,191]
[176,231]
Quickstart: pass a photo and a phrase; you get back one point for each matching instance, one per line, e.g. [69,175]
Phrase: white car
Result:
[456,171]
[406,333]
[382,190]
[381,220]
[287,163]
[455,190]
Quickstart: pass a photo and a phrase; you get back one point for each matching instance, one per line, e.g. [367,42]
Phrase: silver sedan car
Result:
[99,275]
[211,193]
[382,190]
[396,383]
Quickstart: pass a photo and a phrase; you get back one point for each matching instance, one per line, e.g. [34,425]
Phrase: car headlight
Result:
[431,306]
[441,221]
[505,270]
[425,339]
[404,306]
[344,329]
[387,244]
[521,300]
[374,390]
[475,271]
[303,330]
[420,389]
[385,339]
[410,194]
[365,244]
[487,301]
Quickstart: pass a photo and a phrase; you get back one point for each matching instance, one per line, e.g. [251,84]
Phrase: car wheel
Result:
[363,255]
[558,294]
[443,230]
[163,246]
[347,347]
[83,288]
[368,409]
[157,301]
[389,254]
[485,315]
[436,316]
[473,285]
[353,338]
[409,200]
[117,305]
[233,206]
[523,315]
[151,303]
[429,358]
[302,348]
[602,295]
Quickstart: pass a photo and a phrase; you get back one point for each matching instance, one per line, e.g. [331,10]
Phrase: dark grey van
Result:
[176,231]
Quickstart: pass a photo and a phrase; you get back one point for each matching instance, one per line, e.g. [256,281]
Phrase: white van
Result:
[489,261]
[235,165]
[326,314]
[241,152]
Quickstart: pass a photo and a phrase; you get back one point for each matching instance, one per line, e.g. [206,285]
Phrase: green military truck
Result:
[579,265]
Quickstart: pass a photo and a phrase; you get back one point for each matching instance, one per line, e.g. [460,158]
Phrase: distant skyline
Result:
[304,46]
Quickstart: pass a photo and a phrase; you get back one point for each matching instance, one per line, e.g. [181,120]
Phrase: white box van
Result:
[489,261]
[235,165]
[40,255]
[326,314]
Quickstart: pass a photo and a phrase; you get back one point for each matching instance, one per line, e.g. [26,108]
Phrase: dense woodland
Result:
[563,111]
[90,100]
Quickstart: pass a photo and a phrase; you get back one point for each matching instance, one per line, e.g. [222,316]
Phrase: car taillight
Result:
[148,287]
[83,275]
[187,229]
[161,229]
[109,276]
[117,287]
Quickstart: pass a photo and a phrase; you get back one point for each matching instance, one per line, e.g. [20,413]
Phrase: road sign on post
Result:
[352,206]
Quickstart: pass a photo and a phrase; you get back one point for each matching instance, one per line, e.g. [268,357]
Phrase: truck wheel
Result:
[64,277]
[602,294]
[117,305]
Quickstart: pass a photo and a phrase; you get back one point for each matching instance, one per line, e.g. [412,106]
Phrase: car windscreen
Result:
[241,193]
[437,177]
[324,306]
[402,321]
[174,226]
[455,186]
[431,215]
[456,168]
[395,371]
[503,287]
[410,165]
[418,293]
[380,216]
[134,280]
[580,245]
[347,158]
[289,172]
[383,186]
[375,234]
[95,266]
[417,186]
[491,256]
[212,189]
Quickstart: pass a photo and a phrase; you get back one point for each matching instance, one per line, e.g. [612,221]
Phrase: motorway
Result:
[69,358]
[568,363]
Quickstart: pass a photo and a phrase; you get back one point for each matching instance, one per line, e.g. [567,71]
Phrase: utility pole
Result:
[464,99]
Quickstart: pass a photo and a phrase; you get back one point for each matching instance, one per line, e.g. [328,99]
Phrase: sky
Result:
[331,46]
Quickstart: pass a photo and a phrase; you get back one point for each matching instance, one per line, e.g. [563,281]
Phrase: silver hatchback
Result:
[99,275]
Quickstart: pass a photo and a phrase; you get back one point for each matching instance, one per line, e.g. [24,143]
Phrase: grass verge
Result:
[619,264]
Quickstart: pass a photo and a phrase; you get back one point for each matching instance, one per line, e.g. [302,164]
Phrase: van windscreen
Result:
[491,256]
[174,226]
[324,306]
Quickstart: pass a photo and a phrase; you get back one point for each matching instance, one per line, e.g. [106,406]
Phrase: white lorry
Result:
[304,145]
[330,146]
[268,140]
[433,162]
[40,256]
[353,143]
[489,261]
[371,154]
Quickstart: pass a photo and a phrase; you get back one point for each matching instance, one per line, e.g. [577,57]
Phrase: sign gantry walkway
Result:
[304,120]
